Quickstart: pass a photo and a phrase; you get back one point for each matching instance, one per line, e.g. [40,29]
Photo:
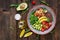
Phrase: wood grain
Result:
[8,25]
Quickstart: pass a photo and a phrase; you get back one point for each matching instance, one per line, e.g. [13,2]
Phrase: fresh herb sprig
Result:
[14,5]
[43,2]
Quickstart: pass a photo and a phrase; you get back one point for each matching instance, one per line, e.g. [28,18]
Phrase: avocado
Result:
[22,6]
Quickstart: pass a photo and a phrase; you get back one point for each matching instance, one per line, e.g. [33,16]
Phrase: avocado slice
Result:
[22,6]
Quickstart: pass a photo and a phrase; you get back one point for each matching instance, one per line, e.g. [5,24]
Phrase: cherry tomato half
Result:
[44,22]
[42,29]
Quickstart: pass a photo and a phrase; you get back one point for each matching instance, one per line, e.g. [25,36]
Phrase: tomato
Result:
[42,29]
[44,22]
[50,24]
[47,24]
[47,27]
[33,2]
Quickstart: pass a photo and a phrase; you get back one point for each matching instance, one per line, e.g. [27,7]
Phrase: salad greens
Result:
[33,19]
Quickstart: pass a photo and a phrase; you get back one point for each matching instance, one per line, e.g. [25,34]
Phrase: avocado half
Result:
[22,6]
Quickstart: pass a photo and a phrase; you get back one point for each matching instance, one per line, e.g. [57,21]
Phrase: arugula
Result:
[33,18]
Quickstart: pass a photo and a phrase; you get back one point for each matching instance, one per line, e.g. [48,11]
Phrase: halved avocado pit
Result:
[22,6]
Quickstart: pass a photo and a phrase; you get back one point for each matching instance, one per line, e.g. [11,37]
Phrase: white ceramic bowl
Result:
[53,22]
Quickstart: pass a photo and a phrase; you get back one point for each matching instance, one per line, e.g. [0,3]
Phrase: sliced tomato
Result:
[50,24]
[42,29]
[44,22]
[47,24]
[47,27]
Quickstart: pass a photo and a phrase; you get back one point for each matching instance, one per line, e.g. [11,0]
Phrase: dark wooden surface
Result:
[8,27]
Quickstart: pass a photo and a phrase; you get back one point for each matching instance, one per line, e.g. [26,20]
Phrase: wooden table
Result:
[8,25]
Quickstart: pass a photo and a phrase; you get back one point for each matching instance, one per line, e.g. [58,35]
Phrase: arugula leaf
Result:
[33,18]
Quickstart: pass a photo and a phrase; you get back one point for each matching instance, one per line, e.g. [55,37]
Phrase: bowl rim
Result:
[54,16]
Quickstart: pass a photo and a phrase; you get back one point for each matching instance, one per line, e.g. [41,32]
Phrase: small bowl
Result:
[53,22]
